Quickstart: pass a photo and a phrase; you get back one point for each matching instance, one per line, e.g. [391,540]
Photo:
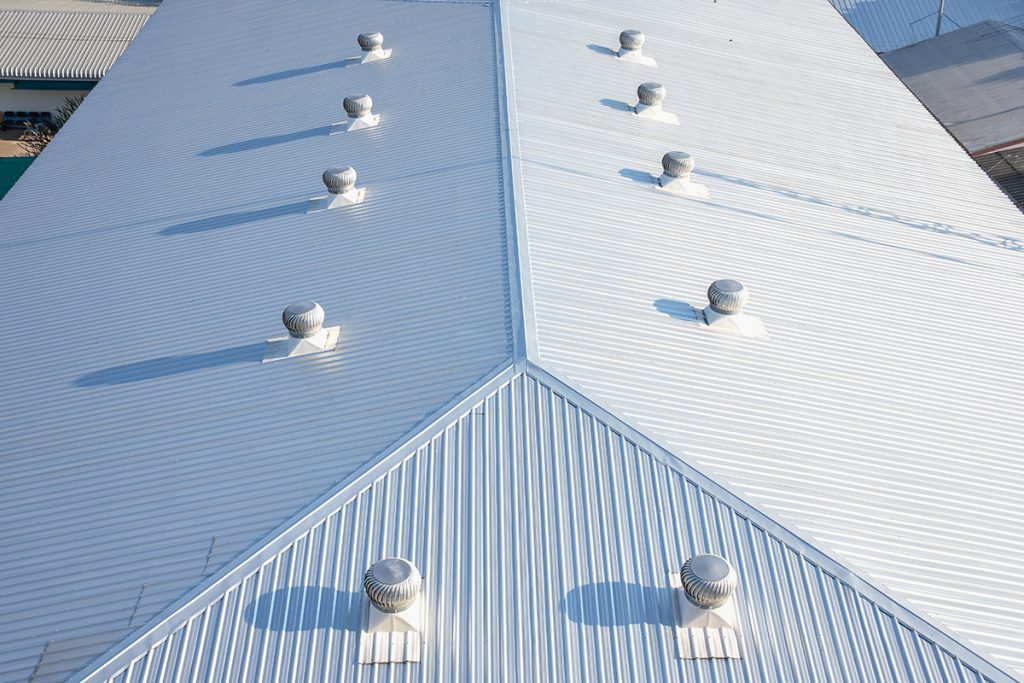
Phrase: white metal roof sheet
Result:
[546,538]
[144,444]
[971,81]
[891,24]
[880,416]
[61,45]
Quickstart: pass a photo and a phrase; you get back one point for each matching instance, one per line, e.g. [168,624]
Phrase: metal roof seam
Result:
[249,561]
[816,555]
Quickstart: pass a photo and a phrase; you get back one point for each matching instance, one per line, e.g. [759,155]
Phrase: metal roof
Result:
[877,417]
[68,46]
[971,81]
[156,460]
[145,445]
[892,24]
[512,509]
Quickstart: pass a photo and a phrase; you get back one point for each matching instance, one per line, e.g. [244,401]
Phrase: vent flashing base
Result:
[704,633]
[654,113]
[740,324]
[683,187]
[391,637]
[334,201]
[280,348]
[635,57]
[375,55]
[352,125]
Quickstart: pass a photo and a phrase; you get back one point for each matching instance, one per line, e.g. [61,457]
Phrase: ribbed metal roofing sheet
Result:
[144,444]
[546,538]
[880,416]
[892,24]
[971,81]
[64,45]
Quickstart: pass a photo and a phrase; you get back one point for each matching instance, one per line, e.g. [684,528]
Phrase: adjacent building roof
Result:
[892,24]
[66,46]
[971,81]
[163,483]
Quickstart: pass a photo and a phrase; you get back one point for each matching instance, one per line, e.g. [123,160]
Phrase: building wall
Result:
[23,99]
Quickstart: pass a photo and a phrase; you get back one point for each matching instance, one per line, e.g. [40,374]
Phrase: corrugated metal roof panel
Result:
[971,81]
[546,538]
[878,417]
[64,45]
[1007,169]
[144,443]
[891,24]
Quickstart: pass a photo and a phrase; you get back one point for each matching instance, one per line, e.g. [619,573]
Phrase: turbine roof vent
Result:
[724,312]
[675,177]
[360,115]
[341,187]
[709,580]
[630,42]
[392,584]
[728,297]
[304,321]
[357,105]
[372,45]
[651,96]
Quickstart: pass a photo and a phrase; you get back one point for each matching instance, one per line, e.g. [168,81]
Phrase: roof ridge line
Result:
[520,289]
[111,661]
[811,551]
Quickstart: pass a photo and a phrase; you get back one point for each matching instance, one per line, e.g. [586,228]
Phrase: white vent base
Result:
[636,57]
[738,323]
[352,125]
[375,56]
[683,187]
[704,633]
[654,113]
[333,201]
[391,637]
[280,348]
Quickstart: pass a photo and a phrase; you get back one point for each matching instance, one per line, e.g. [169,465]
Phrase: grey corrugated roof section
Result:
[891,24]
[972,81]
[67,46]
[1007,169]
[155,459]
[546,537]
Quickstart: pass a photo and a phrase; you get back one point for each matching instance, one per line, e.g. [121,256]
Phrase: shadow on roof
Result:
[680,310]
[259,143]
[618,603]
[292,73]
[229,220]
[279,610]
[601,49]
[618,105]
[168,366]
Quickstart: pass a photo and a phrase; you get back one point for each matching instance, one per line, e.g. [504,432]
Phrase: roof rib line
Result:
[166,622]
[895,607]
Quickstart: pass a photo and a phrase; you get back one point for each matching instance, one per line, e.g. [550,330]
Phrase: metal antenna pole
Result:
[938,21]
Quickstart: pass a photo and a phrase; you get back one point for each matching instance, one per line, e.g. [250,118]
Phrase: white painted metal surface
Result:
[545,537]
[880,416]
[131,472]
[64,45]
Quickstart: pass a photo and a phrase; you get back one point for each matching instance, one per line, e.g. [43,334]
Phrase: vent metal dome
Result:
[392,584]
[677,164]
[709,580]
[631,39]
[727,297]
[357,105]
[370,41]
[340,180]
[303,319]
[651,94]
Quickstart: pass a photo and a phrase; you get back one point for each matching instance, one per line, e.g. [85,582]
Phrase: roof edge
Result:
[115,658]
[886,602]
